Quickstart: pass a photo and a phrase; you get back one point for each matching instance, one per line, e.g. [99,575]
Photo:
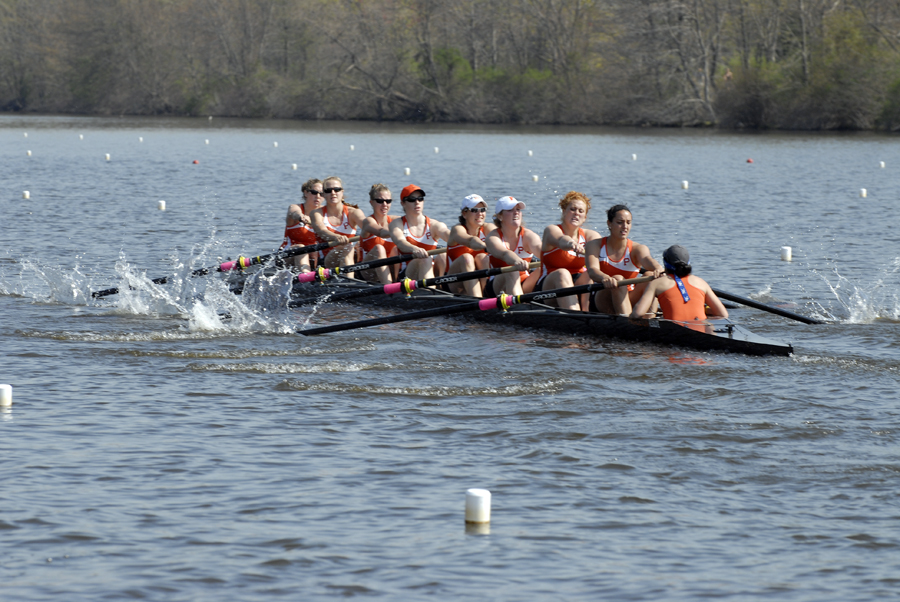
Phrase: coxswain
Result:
[298,231]
[562,250]
[466,249]
[415,234]
[614,258]
[511,244]
[336,222]
[681,295]
[375,237]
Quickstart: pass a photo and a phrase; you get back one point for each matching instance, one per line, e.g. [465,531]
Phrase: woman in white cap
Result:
[336,222]
[375,238]
[562,250]
[614,258]
[466,250]
[415,234]
[511,243]
[682,296]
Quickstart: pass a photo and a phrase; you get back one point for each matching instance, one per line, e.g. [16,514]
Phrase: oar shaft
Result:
[775,310]
[428,313]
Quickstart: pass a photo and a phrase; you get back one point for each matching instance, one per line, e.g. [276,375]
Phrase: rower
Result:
[682,296]
[336,222]
[415,234]
[298,231]
[466,249]
[562,250]
[375,237]
[511,243]
[614,258]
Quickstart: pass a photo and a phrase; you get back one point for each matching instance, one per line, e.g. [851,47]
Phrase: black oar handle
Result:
[775,310]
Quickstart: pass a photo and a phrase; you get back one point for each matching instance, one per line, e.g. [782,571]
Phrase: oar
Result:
[407,286]
[240,263]
[321,274]
[763,307]
[501,302]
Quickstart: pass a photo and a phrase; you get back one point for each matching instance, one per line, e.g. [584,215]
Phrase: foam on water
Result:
[863,301]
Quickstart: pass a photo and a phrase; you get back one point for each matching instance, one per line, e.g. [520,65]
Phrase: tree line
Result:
[787,64]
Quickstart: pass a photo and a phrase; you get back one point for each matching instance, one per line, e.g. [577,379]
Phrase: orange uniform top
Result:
[624,267]
[372,241]
[300,234]
[674,306]
[558,259]
[457,251]
[519,250]
[426,241]
[344,228]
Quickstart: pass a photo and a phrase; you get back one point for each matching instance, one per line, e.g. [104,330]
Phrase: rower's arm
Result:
[592,262]
[716,307]
[404,246]
[497,249]
[318,224]
[644,259]
[642,307]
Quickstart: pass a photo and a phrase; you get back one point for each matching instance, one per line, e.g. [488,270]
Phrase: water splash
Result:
[862,301]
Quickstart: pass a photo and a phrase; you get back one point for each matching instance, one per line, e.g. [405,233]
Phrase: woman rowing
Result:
[682,296]
[614,258]
[415,234]
[336,222]
[298,231]
[375,237]
[511,244]
[562,250]
[466,249]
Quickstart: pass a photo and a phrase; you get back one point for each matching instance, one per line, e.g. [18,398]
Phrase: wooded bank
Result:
[791,64]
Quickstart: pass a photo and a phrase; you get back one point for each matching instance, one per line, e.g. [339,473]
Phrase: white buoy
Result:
[684,184]
[863,192]
[534,178]
[530,153]
[275,144]
[478,506]
[26,134]
[436,150]
[161,205]
[785,253]
[294,166]
[5,396]
[140,139]
[107,156]
[210,117]
[882,164]
[406,171]
[26,195]
[81,136]
[634,157]
[207,141]
[352,147]
[28,153]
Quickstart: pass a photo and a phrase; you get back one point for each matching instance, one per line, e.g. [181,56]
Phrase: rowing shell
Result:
[717,334]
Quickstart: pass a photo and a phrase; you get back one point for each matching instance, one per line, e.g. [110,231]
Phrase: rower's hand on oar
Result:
[340,240]
[521,265]
[577,247]
[610,282]
[419,252]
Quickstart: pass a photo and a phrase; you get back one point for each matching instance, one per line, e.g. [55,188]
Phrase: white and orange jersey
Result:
[426,241]
[519,249]
[559,259]
[299,234]
[345,228]
[458,250]
[624,267]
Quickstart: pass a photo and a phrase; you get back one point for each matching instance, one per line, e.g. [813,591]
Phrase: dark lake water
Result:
[156,451]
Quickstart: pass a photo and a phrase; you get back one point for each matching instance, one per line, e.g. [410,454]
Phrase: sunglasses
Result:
[382,201]
[477,210]
[330,190]
[414,199]
[315,192]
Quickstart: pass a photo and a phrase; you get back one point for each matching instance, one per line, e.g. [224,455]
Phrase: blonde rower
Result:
[562,250]
[375,237]
[614,258]
[336,222]
[298,231]
[511,243]
[466,249]
[415,234]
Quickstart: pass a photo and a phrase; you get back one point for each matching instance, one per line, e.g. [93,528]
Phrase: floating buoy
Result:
[749,160]
[534,178]
[161,205]
[207,141]
[5,396]
[882,165]
[140,139]
[478,506]
[684,184]
[196,162]
[294,166]
[785,253]
[26,134]
[26,195]
[107,156]
[210,117]
[530,153]
[28,153]
[406,171]
[863,192]
[352,147]
[275,144]
[436,150]
[634,157]
[81,136]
